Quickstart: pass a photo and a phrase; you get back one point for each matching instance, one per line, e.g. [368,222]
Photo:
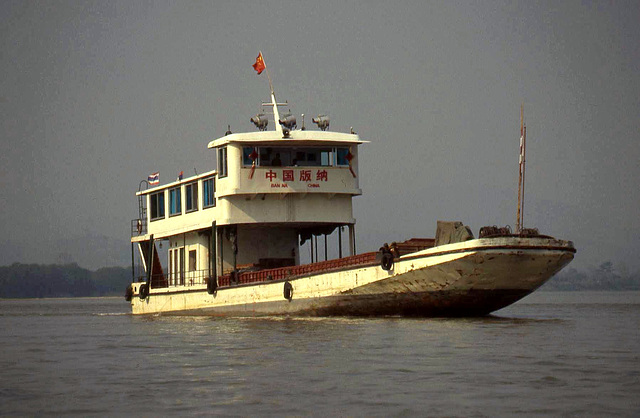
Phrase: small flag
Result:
[259,65]
[154,178]
[180,174]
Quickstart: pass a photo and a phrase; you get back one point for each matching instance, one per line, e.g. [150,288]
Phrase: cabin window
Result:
[208,192]
[222,162]
[175,204]
[294,156]
[192,260]
[157,205]
[247,161]
[341,157]
[325,158]
[191,197]
[275,157]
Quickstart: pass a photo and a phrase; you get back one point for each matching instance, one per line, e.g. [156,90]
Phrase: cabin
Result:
[273,192]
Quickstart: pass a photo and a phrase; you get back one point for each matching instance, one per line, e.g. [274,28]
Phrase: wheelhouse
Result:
[273,194]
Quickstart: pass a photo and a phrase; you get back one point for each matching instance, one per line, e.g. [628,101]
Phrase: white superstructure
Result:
[271,190]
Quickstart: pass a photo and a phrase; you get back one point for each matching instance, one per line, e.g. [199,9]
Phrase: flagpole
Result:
[268,76]
[274,103]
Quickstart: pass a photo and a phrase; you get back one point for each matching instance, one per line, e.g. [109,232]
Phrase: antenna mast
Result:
[274,103]
[521,170]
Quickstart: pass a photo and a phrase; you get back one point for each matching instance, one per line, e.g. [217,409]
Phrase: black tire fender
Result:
[144,291]
[387,261]
[128,294]
[212,285]
[288,291]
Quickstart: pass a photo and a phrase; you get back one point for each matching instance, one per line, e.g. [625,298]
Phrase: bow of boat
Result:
[474,277]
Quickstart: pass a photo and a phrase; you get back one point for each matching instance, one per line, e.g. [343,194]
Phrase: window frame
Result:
[223,167]
[157,206]
[338,151]
[191,194]
[212,179]
[175,193]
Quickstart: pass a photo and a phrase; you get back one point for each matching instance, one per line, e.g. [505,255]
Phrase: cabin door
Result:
[176,266]
[181,266]
[173,267]
[173,260]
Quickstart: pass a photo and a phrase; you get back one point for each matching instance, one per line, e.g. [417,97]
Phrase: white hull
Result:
[471,278]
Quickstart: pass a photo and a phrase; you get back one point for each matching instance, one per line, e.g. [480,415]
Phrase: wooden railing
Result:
[200,277]
[283,273]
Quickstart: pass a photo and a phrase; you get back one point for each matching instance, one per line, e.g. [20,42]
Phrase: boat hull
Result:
[472,278]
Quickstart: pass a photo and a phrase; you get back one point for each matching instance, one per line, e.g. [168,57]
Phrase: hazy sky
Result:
[95,95]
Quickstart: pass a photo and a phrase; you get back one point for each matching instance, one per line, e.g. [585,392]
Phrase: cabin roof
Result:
[296,137]
[176,183]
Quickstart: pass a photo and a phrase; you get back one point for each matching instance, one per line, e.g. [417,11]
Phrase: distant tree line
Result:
[66,280]
[604,277]
[70,280]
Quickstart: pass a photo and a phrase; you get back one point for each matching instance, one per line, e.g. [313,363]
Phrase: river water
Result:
[553,353]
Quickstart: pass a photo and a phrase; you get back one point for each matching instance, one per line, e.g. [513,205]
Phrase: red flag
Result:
[259,65]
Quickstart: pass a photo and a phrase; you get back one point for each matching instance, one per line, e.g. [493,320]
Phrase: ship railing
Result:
[284,273]
[158,280]
[173,279]
[138,227]
[201,277]
[188,278]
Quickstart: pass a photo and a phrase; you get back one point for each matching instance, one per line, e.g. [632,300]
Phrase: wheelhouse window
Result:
[326,158]
[293,156]
[208,192]
[191,197]
[157,205]
[175,204]
[249,155]
[341,157]
[222,162]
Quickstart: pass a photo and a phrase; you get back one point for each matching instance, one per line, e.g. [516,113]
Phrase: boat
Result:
[242,240]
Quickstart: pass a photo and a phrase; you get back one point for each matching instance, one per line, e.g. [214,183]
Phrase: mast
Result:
[521,169]
[274,104]
[524,161]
